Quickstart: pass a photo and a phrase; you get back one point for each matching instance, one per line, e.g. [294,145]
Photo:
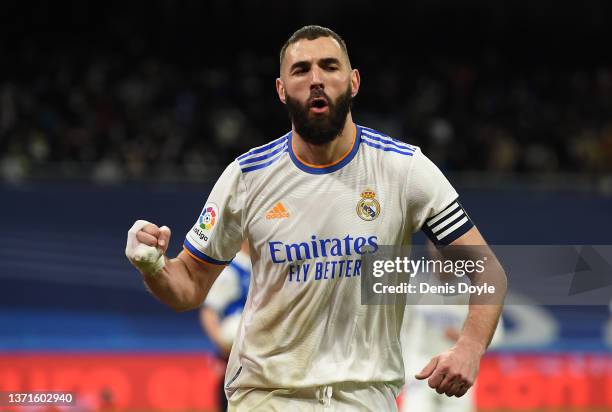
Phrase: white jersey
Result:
[303,324]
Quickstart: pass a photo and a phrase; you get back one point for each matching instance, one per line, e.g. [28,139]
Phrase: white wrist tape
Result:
[148,259]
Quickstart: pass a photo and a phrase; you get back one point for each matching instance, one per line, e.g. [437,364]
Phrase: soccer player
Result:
[221,312]
[310,203]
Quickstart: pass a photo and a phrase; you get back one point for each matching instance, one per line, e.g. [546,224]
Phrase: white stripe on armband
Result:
[448,225]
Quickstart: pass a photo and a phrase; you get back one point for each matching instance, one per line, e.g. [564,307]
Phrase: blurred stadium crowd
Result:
[112,112]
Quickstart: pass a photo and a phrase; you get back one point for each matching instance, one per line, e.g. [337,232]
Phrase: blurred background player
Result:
[431,327]
[428,330]
[222,310]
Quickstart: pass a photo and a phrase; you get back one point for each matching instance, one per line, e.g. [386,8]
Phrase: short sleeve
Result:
[433,203]
[217,233]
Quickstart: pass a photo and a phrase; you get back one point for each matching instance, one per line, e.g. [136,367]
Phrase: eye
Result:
[299,72]
[330,67]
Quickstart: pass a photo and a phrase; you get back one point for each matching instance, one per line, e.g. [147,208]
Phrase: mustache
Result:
[318,93]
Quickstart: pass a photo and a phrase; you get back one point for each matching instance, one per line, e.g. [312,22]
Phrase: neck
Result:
[328,153]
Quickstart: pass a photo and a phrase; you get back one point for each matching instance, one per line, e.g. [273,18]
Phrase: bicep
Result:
[472,246]
[203,274]
[470,238]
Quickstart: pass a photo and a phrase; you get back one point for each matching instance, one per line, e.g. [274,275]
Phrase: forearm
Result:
[480,326]
[485,308]
[176,285]
[211,324]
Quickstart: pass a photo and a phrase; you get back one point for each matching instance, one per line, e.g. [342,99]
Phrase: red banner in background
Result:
[174,382]
[118,381]
[545,382]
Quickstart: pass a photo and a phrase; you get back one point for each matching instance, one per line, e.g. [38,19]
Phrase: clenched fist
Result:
[146,245]
[454,371]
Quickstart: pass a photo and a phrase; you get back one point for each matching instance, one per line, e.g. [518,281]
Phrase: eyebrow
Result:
[326,61]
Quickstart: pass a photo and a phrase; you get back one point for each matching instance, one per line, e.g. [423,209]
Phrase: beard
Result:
[319,129]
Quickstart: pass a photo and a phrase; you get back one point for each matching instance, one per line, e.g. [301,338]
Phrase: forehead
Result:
[312,50]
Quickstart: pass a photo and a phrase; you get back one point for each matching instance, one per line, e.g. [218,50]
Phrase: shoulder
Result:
[379,141]
[263,156]
[391,151]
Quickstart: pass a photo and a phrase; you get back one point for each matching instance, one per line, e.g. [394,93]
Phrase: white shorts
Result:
[340,397]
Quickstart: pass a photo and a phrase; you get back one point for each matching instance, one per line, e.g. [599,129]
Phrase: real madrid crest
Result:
[368,208]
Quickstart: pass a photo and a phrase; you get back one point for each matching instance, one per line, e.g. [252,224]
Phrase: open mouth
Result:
[318,105]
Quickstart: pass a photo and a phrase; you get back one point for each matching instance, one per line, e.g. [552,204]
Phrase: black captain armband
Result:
[448,225]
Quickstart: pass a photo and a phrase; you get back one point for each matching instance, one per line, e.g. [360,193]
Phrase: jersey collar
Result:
[328,168]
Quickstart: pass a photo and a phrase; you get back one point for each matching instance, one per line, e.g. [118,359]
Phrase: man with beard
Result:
[311,203]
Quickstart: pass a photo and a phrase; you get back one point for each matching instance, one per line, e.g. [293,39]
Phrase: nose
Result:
[316,79]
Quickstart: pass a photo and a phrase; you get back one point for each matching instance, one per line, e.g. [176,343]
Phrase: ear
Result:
[280,89]
[355,82]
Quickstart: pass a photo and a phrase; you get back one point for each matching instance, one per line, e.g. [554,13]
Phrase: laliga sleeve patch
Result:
[207,221]
[209,216]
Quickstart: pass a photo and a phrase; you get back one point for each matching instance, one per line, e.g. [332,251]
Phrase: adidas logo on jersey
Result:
[277,212]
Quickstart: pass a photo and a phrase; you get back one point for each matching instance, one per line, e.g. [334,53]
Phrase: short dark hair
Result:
[312,32]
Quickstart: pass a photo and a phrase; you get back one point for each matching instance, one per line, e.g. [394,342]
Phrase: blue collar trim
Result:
[329,169]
